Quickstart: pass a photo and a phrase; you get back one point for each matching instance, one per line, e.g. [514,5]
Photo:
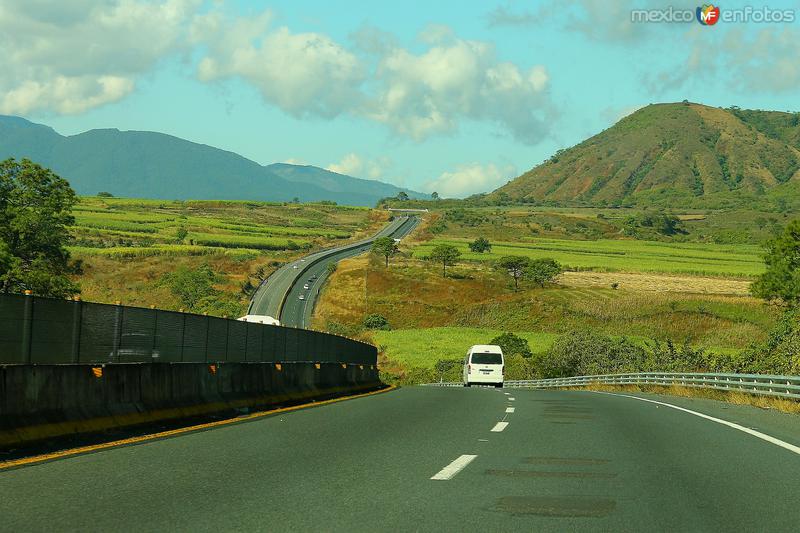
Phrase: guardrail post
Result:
[27,327]
[183,334]
[117,329]
[77,319]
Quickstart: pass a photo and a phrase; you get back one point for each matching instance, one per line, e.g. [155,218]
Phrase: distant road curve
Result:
[279,295]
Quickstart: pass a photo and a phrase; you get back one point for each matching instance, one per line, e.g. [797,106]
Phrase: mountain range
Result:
[155,165]
[676,154]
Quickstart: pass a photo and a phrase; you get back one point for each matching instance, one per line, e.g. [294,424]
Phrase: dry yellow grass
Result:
[738,398]
[656,282]
[344,297]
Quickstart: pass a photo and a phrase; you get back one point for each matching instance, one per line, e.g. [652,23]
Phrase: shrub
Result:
[587,353]
[375,321]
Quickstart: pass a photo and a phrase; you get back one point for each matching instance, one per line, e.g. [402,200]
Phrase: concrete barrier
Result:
[40,402]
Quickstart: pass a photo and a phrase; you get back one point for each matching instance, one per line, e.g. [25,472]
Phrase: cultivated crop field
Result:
[127,246]
[116,227]
[617,255]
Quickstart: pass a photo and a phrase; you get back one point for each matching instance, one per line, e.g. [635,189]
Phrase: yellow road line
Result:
[143,438]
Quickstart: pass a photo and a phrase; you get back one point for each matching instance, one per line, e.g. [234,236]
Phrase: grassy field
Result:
[611,255]
[128,245]
[422,348]
[433,317]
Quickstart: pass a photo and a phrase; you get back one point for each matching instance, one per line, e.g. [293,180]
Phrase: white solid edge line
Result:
[509,409]
[753,432]
[500,426]
[454,468]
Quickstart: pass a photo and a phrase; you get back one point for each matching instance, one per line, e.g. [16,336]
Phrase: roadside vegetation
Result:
[586,319]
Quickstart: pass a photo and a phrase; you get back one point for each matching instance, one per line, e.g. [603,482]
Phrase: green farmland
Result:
[623,255]
[127,247]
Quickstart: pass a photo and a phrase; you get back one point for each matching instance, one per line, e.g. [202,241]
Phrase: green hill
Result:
[145,164]
[680,155]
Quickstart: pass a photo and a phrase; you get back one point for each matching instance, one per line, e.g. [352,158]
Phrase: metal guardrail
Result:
[759,384]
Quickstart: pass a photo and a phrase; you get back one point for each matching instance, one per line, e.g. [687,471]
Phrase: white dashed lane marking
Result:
[500,426]
[454,468]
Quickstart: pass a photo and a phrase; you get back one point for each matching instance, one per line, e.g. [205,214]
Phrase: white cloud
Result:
[424,94]
[354,165]
[415,94]
[351,165]
[470,179]
[302,73]
[74,56]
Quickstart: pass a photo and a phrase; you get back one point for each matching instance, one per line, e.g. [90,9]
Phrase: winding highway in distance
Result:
[289,280]
[437,459]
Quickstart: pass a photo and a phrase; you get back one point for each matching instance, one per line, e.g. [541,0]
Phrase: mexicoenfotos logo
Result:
[708,14]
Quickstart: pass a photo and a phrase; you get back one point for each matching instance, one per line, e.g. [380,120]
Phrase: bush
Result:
[581,353]
[512,345]
[375,321]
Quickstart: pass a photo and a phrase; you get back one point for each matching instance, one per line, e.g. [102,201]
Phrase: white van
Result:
[260,319]
[484,365]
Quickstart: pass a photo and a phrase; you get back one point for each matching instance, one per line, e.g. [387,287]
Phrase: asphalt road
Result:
[297,312]
[267,300]
[565,461]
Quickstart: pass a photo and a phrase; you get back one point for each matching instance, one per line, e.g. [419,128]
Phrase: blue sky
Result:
[456,97]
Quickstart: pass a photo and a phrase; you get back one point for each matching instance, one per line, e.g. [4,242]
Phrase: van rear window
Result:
[487,359]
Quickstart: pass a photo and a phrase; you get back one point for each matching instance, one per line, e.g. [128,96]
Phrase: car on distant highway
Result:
[483,365]
[294,266]
[302,296]
[305,286]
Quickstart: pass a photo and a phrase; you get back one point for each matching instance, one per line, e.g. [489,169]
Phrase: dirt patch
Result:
[656,282]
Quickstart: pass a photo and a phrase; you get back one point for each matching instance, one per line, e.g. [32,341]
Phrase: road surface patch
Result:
[577,461]
[454,468]
[540,473]
[557,506]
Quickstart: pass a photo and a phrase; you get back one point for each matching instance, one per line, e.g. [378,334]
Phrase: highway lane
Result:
[298,312]
[565,461]
[268,297]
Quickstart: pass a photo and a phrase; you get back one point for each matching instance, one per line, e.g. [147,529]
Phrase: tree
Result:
[480,245]
[384,246]
[446,254]
[435,195]
[402,196]
[515,266]
[543,271]
[35,214]
[105,194]
[331,268]
[512,345]
[181,234]
[668,224]
[781,281]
